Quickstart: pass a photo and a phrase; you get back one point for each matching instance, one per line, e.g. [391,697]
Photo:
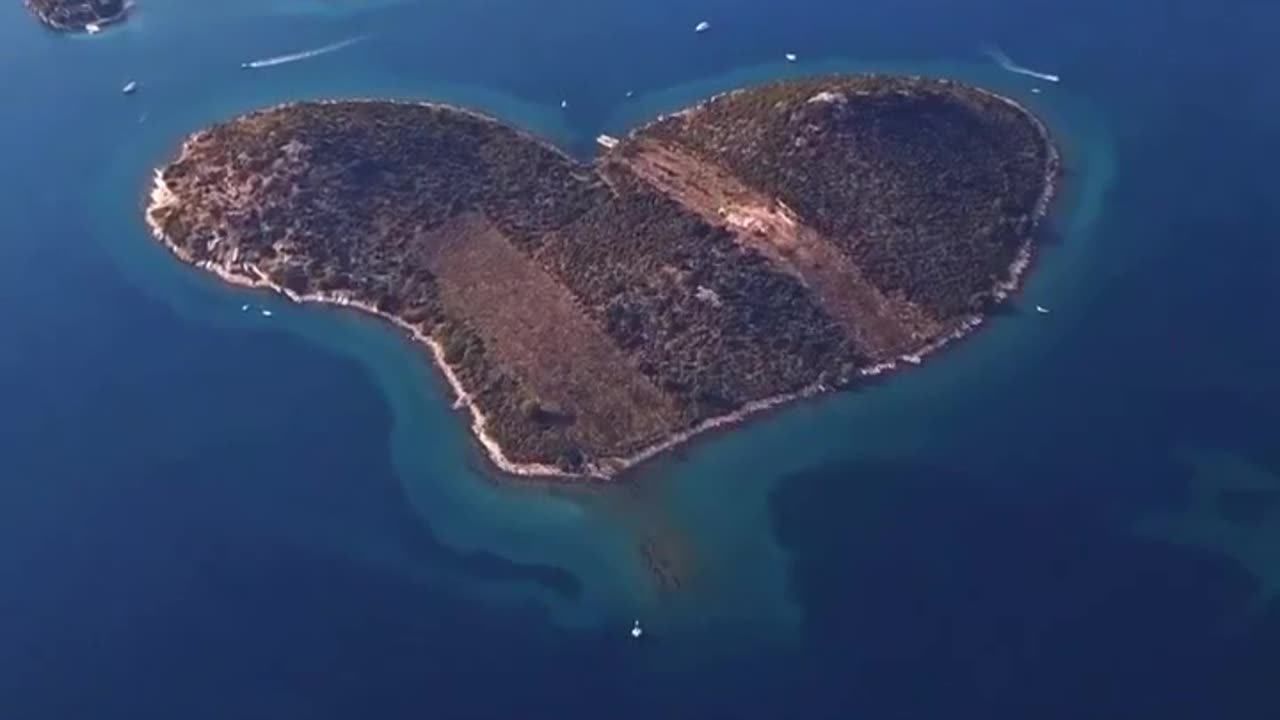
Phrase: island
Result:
[762,246]
[79,15]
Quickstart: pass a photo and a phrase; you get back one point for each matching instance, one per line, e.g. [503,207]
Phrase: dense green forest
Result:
[929,186]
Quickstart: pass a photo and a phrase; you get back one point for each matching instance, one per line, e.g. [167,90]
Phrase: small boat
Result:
[702,27]
[1042,310]
[92,28]
[564,104]
[266,313]
[244,308]
[631,93]
[637,632]
[130,87]
[791,57]
[1035,91]
[608,142]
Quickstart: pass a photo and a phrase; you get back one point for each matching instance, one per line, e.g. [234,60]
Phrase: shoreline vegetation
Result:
[506,293]
[79,15]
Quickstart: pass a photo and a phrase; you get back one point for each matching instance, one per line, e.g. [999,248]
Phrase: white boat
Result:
[92,28]
[130,87]
[608,142]
[631,93]
[637,632]
[702,27]
[266,313]
[1035,91]
[564,104]
[1042,310]
[791,57]
[244,308]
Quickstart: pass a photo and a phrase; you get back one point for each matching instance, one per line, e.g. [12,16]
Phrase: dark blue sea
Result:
[211,514]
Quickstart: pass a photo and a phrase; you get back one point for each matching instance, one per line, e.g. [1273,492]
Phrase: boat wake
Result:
[305,54]
[1007,63]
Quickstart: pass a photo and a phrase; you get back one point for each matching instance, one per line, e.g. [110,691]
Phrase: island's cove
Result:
[710,499]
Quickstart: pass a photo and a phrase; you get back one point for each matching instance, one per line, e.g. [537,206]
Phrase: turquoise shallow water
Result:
[209,513]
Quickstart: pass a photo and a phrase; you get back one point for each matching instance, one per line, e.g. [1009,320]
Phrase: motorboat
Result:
[130,87]
[702,27]
[791,57]
[637,632]
[1042,310]
[92,28]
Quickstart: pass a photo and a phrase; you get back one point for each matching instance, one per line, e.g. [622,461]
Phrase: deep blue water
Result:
[205,514]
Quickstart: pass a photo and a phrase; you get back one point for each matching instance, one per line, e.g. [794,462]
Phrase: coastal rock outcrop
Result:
[79,15]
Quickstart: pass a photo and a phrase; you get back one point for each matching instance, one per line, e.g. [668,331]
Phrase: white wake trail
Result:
[305,54]
[1007,63]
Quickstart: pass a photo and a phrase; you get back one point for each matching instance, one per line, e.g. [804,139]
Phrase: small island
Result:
[765,245]
[79,15]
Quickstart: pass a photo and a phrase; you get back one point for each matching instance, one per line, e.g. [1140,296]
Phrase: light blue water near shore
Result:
[205,512]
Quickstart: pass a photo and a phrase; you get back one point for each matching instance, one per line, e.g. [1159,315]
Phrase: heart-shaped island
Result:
[764,245]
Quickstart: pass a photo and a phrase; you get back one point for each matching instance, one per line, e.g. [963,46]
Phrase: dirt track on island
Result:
[880,326]
[520,312]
